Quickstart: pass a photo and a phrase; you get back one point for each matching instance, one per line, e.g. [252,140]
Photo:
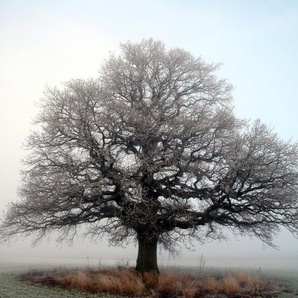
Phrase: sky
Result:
[48,42]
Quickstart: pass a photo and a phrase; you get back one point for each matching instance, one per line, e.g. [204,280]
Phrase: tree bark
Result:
[147,255]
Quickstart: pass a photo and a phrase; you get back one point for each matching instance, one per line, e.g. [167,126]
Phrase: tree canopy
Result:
[151,150]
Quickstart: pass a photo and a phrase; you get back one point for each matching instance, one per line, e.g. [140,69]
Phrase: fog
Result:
[49,42]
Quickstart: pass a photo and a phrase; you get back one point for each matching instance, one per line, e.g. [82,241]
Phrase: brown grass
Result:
[169,283]
[173,284]
[229,285]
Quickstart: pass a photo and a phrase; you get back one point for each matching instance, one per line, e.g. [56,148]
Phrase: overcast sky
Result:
[46,42]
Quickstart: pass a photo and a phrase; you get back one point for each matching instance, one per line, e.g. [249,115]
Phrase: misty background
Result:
[49,42]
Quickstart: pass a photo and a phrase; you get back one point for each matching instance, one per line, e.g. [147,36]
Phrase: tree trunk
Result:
[147,255]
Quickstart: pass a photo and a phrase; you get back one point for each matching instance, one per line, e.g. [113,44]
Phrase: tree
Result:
[151,151]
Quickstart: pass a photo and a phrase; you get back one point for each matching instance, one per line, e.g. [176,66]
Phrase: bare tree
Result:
[151,151]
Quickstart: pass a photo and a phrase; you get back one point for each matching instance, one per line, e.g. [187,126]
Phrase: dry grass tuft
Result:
[229,285]
[128,282]
[181,285]
[112,281]
[210,285]
[150,280]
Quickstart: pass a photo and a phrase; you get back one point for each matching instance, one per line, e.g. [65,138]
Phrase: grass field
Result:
[232,284]
[289,278]
[12,287]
